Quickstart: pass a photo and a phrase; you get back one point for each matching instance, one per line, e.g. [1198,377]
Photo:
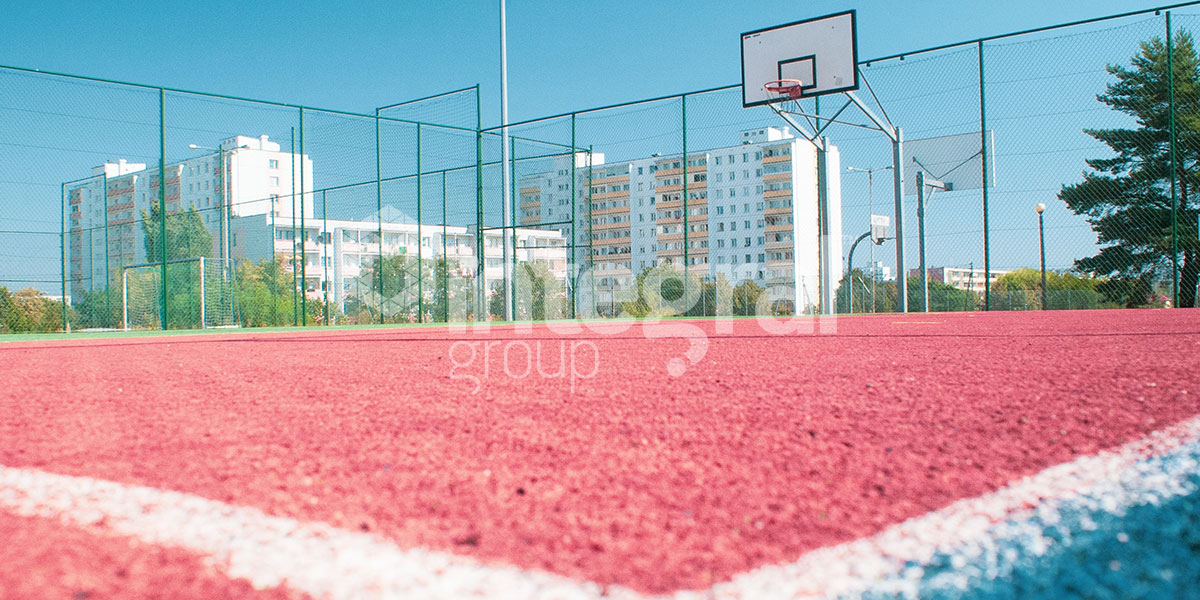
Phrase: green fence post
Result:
[687,267]
[107,253]
[481,306]
[303,235]
[445,257]
[162,202]
[983,155]
[295,300]
[591,233]
[1174,173]
[420,240]
[574,240]
[326,238]
[62,248]
[379,216]
[512,212]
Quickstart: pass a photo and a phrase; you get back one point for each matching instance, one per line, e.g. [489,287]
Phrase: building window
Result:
[274,181]
[273,164]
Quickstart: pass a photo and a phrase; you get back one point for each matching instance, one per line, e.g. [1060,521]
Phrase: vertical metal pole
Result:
[303,234]
[420,239]
[124,299]
[202,294]
[480,276]
[379,216]
[506,284]
[1174,197]
[227,213]
[62,247]
[574,240]
[898,192]
[511,299]
[226,194]
[687,267]
[826,260]
[871,211]
[983,155]
[445,258]
[224,241]
[162,202]
[295,300]
[850,277]
[921,240]
[591,235]
[326,239]
[1042,246]
[107,251]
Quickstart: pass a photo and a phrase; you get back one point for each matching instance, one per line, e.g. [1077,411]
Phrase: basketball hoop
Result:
[792,88]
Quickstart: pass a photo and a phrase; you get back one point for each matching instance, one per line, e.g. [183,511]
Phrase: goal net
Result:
[198,294]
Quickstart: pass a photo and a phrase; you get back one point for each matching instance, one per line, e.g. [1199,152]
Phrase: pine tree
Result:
[1127,197]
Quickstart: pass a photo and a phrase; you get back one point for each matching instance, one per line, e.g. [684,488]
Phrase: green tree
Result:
[540,295]
[661,292]
[746,297]
[1021,290]
[28,311]
[452,293]
[1126,197]
[942,297]
[264,294]
[187,237]
[100,308]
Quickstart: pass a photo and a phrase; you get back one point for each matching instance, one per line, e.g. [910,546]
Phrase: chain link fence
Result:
[144,207]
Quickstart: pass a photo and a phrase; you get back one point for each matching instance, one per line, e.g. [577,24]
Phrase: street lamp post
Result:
[870,211]
[1040,208]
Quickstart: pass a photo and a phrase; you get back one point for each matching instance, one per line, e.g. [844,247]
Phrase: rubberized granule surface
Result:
[582,454]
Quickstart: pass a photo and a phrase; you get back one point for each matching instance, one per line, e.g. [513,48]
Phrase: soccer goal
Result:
[198,294]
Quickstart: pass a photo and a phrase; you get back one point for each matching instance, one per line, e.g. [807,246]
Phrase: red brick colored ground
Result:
[42,559]
[767,447]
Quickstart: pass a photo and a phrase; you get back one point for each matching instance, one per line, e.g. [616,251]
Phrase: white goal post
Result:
[198,294]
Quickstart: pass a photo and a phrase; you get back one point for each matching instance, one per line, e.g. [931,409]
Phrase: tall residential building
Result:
[242,176]
[336,251]
[246,192]
[751,215]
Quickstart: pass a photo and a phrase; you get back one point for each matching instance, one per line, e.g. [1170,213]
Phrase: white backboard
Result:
[821,53]
[879,227]
[952,159]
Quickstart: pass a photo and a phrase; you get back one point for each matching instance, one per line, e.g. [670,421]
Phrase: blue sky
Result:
[566,56]
[562,55]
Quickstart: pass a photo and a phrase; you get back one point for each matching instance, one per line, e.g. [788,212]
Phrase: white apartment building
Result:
[241,176]
[261,188]
[970,279]
[336,252]
[752,214]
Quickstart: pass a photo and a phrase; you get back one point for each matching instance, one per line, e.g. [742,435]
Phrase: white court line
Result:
[325,562]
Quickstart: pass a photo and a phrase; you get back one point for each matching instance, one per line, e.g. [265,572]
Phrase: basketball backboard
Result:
[954,160]
[821,53]
[879,228]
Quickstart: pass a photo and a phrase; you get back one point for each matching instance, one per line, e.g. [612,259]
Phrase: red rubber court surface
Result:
[766,447]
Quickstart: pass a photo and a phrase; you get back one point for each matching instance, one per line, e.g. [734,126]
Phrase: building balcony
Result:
[610,195]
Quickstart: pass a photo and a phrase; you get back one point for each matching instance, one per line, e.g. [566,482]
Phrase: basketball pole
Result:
[898,191]
[506,283]
[894,135]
